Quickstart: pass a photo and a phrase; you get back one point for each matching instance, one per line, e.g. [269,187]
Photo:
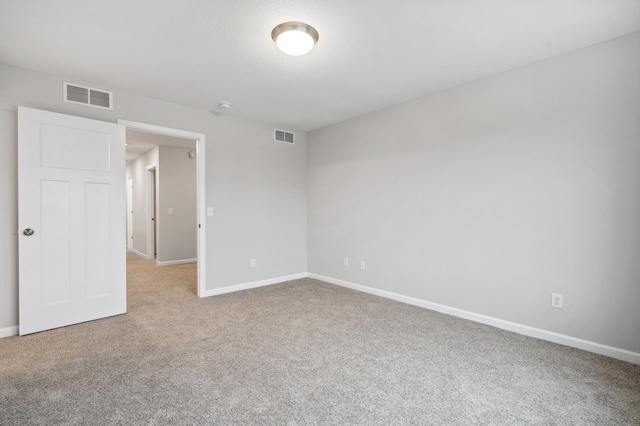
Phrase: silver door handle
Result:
[28,232]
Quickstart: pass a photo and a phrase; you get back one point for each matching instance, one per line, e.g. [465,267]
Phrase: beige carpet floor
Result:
[299,353]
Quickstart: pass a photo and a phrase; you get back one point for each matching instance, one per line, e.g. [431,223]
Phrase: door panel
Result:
[71,148]
[55,284]
[97,239]
[72,194]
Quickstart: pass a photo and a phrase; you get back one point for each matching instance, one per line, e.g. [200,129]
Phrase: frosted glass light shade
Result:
[294,43]
[295,38]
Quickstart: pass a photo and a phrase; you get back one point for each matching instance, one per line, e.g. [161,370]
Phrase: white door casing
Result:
[71,193]
[201,209]
[150,215]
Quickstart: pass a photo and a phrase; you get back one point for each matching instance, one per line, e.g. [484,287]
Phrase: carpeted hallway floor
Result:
[301,352]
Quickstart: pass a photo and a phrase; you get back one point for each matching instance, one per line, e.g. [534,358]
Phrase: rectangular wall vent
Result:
[283,136]
[77,94]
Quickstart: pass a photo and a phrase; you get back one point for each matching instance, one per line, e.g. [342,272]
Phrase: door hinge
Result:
[199,226]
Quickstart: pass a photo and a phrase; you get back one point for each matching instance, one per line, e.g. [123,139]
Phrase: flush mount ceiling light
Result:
[295,38]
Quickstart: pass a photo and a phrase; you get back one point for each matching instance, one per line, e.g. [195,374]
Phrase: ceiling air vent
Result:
[283,136]
[77,94]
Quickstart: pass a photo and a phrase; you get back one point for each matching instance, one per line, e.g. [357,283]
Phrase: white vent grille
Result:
[283,136]
[77,94]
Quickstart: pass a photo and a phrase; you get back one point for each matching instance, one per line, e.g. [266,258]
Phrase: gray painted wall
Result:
[177,236]
[491,196]
[257,187]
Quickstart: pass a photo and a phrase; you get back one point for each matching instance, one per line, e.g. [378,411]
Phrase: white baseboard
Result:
[8,331]
[622,354]
[254,284]
[177,262]
[142,255]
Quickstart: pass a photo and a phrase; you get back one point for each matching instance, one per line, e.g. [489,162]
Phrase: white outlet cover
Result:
[345,262]
[556,300]
[362,265]
[209,211]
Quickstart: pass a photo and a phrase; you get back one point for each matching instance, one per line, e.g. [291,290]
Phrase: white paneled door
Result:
[72,218]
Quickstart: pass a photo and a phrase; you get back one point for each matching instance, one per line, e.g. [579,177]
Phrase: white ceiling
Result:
[371,54]
[139,143]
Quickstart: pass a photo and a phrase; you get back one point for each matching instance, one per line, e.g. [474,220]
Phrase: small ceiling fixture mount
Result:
[295,38]
[225,105]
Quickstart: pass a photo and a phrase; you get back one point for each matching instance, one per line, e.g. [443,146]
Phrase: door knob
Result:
[28,232]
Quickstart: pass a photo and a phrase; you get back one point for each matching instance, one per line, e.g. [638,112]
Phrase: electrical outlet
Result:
[362,265]
[253,263]
[556,300]
[170,210]
[345,262]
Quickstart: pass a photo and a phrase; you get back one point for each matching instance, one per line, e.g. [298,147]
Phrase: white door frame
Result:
[129,214]
[151,211]
[201,208]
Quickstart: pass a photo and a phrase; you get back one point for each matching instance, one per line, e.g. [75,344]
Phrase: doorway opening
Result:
[154,212]
[150,212]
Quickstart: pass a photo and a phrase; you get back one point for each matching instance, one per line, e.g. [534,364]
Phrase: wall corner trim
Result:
[9,331]
[254,284]
[139,253]
[621,354]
